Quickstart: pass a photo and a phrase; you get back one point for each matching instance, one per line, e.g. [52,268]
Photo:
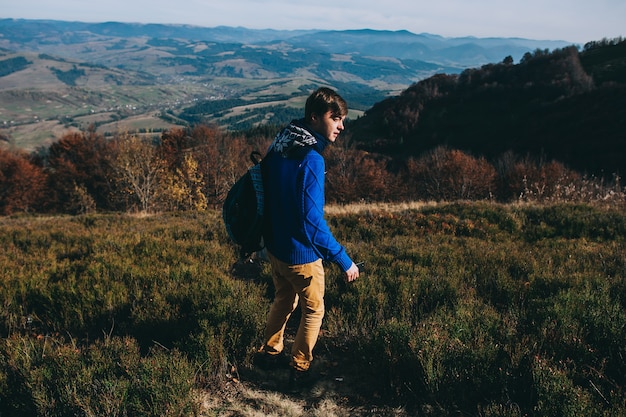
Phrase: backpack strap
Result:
[256,157]
[256,175]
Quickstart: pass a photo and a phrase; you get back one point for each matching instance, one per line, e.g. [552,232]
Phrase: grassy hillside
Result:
[473,309]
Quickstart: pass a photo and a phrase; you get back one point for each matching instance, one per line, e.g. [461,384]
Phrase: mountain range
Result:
[58,75]
[460,52]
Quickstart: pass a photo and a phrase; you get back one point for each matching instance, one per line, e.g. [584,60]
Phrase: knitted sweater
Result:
[294,169]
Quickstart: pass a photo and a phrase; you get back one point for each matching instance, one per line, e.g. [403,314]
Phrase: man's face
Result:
[327,125]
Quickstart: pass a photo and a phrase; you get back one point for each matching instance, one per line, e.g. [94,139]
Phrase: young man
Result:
[296,236]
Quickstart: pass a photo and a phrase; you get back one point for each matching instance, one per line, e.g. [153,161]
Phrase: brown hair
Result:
[323,100]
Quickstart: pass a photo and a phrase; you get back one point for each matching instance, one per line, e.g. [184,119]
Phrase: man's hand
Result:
[352,273]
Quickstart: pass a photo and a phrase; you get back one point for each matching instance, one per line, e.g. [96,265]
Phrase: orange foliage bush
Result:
[527,179]
[22,183]
[449,174]
[222,159]
[200,164]
[357,176]
[78,167]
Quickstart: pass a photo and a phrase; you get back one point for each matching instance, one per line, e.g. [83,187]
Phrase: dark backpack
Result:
[243,209]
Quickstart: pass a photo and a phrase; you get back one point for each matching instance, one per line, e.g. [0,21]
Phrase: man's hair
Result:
[323,100]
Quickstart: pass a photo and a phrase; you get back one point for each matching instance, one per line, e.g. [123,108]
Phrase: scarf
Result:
[296,140]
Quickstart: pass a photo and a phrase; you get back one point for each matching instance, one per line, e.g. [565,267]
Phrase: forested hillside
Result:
[565,105]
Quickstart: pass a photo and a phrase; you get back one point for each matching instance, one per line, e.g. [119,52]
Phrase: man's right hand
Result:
[352,273]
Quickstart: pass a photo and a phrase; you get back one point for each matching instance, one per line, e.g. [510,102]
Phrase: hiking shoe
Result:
[267,361]
[300,380]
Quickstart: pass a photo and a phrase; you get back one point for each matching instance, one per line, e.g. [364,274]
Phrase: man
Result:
[296,236]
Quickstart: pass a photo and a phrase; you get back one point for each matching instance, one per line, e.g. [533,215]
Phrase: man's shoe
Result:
[300,380]
[268,361]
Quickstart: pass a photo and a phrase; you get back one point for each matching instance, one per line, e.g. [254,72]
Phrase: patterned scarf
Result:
[296,140]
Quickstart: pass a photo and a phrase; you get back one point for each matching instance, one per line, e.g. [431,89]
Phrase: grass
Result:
[464,308]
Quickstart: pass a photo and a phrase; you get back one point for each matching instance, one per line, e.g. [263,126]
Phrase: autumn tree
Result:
[78,173]
[202,163]
[182,188]
[450,174]
[174,144]
[223,158]
[534,179]
[183,183]
[22,183]
[354,175]
[138,172]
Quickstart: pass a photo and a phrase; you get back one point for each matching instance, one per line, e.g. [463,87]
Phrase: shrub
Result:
[462,352]
[358,176]
[557,395]
[22,183]
[448,175]
[111,377]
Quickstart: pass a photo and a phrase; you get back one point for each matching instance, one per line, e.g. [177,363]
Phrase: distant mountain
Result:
[169,52]
[24,29]
[101,74]
[458,52]
[39,35]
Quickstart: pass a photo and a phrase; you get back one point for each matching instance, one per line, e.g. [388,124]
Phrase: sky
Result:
[576,21]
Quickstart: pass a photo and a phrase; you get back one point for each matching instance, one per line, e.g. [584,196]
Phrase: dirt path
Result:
[338,386]
[335,390]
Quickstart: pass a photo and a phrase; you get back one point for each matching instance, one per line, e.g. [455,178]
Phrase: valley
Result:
[58,76]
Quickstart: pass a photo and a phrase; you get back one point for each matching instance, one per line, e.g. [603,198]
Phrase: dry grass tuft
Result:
[355,208]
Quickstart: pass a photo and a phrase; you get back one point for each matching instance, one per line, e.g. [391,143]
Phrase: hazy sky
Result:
[576,21]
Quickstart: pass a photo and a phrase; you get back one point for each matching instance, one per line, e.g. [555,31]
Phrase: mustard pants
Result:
[296,285]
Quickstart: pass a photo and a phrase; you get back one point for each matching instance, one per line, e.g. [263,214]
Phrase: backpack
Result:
[244,208]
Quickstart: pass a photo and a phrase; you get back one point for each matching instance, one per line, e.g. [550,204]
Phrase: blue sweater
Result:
[294,171]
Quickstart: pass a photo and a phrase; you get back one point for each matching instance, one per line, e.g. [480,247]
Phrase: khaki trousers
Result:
[296,285]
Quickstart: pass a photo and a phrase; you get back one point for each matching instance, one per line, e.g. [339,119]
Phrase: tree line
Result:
[11,65]
[193,169]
